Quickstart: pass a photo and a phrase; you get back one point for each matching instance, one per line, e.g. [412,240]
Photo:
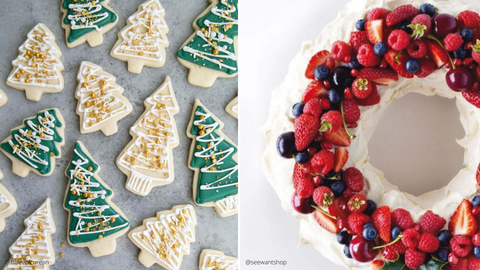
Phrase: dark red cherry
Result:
[362,250]
[302,205]
[444,24]
[459,79]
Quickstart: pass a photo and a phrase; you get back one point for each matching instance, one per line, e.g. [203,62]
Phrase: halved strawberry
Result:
[377,264]
[339,137]
[473,97]
[437,53]
[463,222]
[375,31]
[338,208]
[318,59]
[372,99]
[314,89]
[341,157]
[380,76]
[397,61]
[326,222]
[382,220]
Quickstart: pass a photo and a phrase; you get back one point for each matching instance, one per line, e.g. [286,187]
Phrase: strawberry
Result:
[375,31]
[341,157]
[318,59]
[397,61]
[453,42]
[473,262]
[414,259]
[331,121]
[476,51]
[477,174]
[469,19]
[338,208]
[340,50]
[367,57]
[339,137]
[325,221]
[390,254]
[461,245]
[313,107]
[473,97]
[382,221]
[462,221]
[323,196]
[357,39]
[436,53]
[427,67]
[428,243]
[431,223]
[305,187]
[372,99]
[380,76]
[353,179]
[400,14]
[357,203]
[411,238]
[422,25]
[361,88]
[315,89]
[306,128]
[351,112]
[356,222]
[402,218]
[376,13]
[322,162]
[377,264]
[298,175]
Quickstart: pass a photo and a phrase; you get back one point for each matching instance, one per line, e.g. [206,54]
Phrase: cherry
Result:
[341,78]
[362,250]
[286,145]
[317,180]
[444,24]
[302,205]
[459,79]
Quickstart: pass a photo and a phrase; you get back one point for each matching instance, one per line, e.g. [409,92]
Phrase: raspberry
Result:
[422,25]
[427,67]
[313,107]
[357,203]
[323,196]
[305,187]
[377,13]
[322,162]
[417,49]
[356,222]
[473,263]
[411,238]
[398,39]
[461,245]
[402,218]
[470,19]
[400,14]
[353,179]
[431,222]
[428,243]
[399,247]
[351,111]
[331,121]
[453,42]
[340,50]
[366,57]
[414,259]
[358,38]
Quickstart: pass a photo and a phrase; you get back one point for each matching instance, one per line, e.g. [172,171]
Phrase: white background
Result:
[414,143]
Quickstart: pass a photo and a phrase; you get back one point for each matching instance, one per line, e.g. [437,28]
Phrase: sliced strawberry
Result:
[437,53]
[397,61]
[339,137]
[306,128]
[375,31]
[473,97]
[314,89]
[318,59]
[380,76]
[463,222]
[382,220]
[338,208]
[341,157]
[325,221]
[377,264]
[372,99]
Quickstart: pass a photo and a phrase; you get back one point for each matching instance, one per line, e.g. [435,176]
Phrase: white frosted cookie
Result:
[232,108]
[3,98]
[100,101]
[86,21]
[143,41]
[148,159]
[213,259]
[37,68]
[166,238]
[8,205]
[36,144]
[34,245]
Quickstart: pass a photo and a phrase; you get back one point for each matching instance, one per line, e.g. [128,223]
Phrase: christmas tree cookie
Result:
[87,21]
[213,259]
[143,41]
[166,238]
[210,53]
[213,157]
[34,246]
[8,205]
[94,220]
[36,144]
[148,159]
[100,101]
[232,108]
[3,98]
[37,68]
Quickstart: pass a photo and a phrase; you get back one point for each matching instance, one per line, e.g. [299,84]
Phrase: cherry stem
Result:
[389,244]
[324,212]
[441,45]
[352,136]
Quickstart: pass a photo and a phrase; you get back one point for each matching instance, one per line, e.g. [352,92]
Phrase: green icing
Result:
[202,158]
[87,211]
[218,18]
[97,18]
[25,141]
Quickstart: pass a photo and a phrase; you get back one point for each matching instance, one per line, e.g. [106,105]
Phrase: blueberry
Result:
[404,26]
[353,64]
[412,66]
[396,232]
[371,207]
[444,237]
[322,73]
[338,187]
[442,254]
[369,233]
[476,252]
[344,238]
[286,145]
[334,96]
[380,49]
[428,9]
[460,53]
[302,157]
[360,25]
[467,34]
[297,109]
[368,224]
[346,251]
[476,200]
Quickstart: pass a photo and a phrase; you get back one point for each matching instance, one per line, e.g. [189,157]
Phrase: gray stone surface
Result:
[18,18]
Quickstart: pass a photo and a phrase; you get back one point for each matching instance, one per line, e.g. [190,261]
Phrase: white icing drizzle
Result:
[5,204]
[213,261]
[29,155]
[235,108]
[85,16]
[156,133]
[38,63]
[214,36]
[97,97]
[145,36]
[169,237]
[93,211]
[33,245]
[228,205]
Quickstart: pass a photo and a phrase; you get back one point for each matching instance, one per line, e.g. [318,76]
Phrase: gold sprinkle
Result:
[62,255]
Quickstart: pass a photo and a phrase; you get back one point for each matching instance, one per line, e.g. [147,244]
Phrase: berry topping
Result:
[322,73]
[344,238]
[360,25]
[331,121]
[356,221]
[436,53]
[412,66]
[380,48]
[470,19]
[476,51]
[402,218]
[361,88]
[375,31]
[351,111]
[306,128]
[341,78]
[428,243]
[417,49]
[353,179]
[302,205]
[398,40]
[323,196]
[414,259]
[411,238]
[326,221]
[444,24]
[318,59]
[474,98]
[467,34]
[304,187]
[357,39]
[462,221]
[302,157]
[431,223]
[461,245]
[338,188]
[369,232]
[357,203]
[340,50]
[341,158]
[397,61]
[421,26]
[401,13]
[382,221]
[367,57]
[377,13]
[459,79]
[380,76]
[362,250]
[453,42]
[428,9]
[339,137]
[313,107]
[322,162]
[427,67]
[444,237]
[286,145]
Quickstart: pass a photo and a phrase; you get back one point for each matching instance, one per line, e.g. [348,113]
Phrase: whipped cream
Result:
[279,171]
